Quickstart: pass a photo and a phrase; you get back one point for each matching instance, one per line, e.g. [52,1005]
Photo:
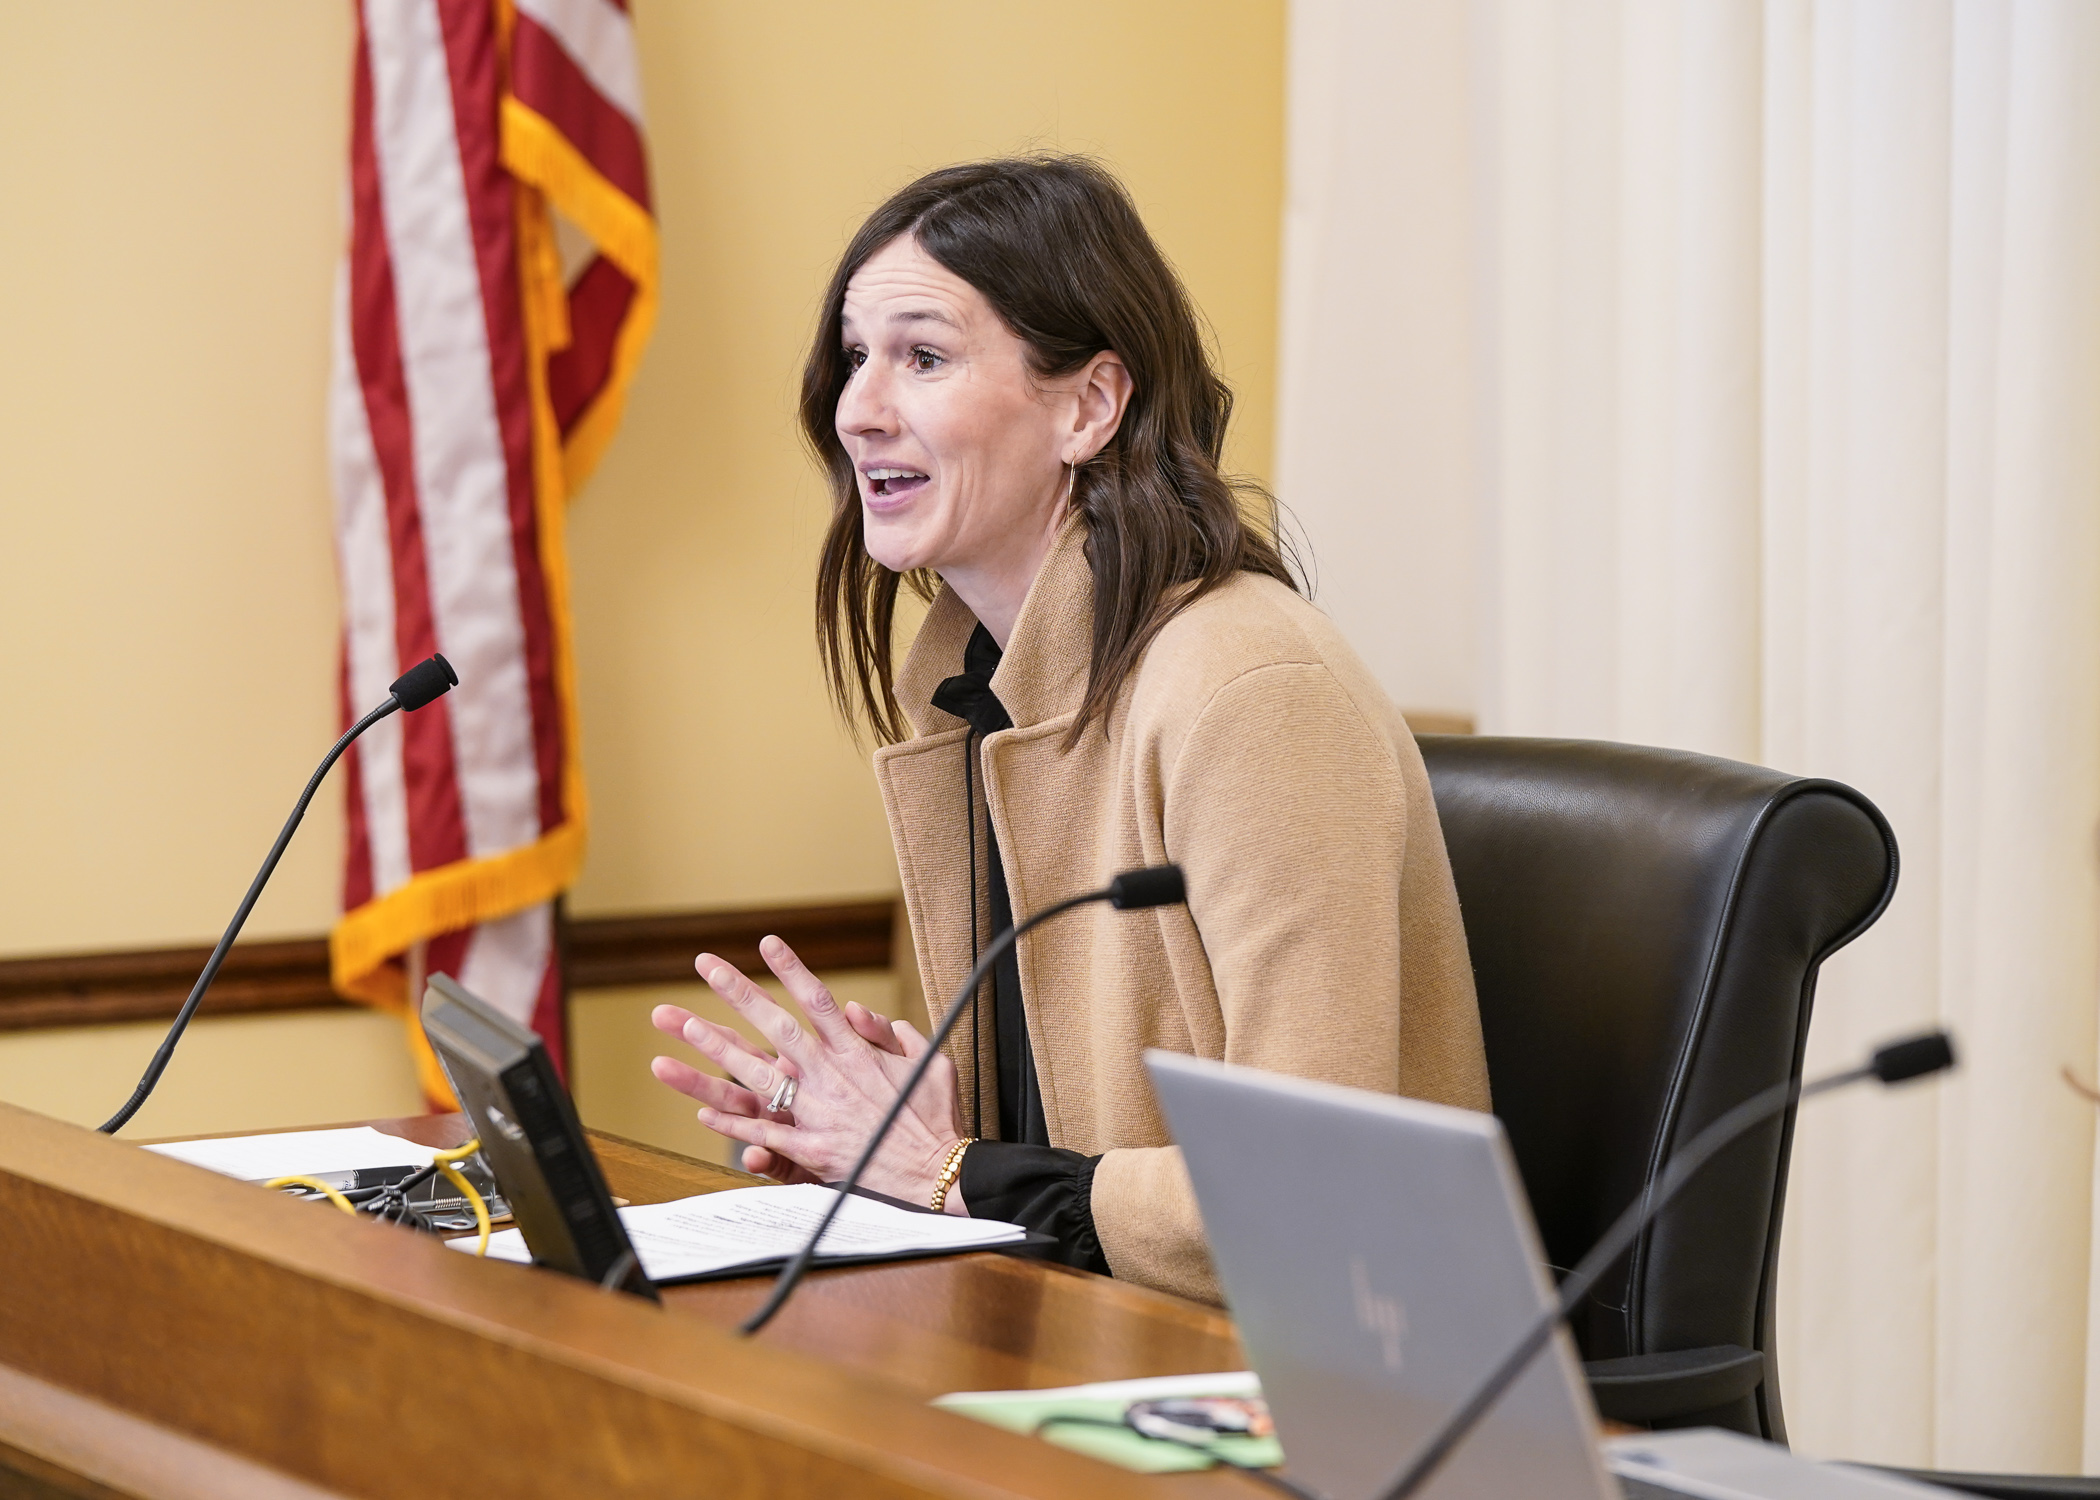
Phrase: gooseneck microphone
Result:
[1156,885]
[1914,1057]
[421,684]
[419,687]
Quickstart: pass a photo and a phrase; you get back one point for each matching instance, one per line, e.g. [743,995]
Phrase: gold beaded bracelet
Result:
[950,1170]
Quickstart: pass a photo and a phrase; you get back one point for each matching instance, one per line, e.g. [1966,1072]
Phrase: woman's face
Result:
[959,450]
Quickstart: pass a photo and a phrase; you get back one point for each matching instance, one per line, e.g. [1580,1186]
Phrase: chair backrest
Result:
[1646,927]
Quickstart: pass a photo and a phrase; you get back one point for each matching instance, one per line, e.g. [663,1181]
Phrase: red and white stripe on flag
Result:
[474,385]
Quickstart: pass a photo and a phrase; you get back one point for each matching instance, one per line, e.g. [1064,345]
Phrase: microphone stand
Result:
[1912,1058]
[427,680]
[1160,885]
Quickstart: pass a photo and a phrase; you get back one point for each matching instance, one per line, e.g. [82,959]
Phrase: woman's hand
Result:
[848,1067]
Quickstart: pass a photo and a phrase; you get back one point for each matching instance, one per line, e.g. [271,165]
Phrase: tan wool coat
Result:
[1321,936]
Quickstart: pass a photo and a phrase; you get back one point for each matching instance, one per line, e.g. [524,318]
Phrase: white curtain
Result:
[1771,428]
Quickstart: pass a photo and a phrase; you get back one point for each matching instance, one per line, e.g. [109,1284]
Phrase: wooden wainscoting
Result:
[90,989]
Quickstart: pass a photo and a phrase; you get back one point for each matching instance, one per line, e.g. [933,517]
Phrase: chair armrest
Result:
[1658,1387]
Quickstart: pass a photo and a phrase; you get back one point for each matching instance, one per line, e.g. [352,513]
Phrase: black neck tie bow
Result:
[968,695]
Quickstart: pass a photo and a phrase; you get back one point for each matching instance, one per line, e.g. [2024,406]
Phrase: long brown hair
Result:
[1056,246]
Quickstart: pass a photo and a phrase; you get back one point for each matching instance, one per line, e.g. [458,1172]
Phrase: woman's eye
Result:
[923,358]
[855,358]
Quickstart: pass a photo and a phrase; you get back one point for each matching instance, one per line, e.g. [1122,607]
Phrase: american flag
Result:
[475,383]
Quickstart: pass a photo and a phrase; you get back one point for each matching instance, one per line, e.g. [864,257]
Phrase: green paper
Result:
[1025,1411]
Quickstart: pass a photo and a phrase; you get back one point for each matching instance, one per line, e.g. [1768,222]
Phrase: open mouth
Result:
[894,482]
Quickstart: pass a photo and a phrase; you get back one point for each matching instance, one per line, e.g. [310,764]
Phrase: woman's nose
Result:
[864,405]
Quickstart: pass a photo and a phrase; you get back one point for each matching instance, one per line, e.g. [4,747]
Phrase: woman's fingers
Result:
[763,1163]
[903,1047]
[908,1041]
[708,1037]
[848,1061]
[773,1137]
[717,1093]
[809,991]
[937,1101]
[674,1074]
[671,1019]
[733,1042]
[733,1055]
[939,1098]
[715,1039]
[872,1028]
[755,1006]
[759,1160]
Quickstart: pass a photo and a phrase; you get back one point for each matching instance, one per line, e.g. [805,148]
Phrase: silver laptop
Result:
[1380,1258]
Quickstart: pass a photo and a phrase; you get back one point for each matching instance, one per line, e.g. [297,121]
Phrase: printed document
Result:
[298,1153]
[751,1226]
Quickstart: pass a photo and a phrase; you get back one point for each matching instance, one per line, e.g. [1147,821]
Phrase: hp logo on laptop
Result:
[1380,1316]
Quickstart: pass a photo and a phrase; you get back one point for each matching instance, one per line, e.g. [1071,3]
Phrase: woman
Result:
[1011,397]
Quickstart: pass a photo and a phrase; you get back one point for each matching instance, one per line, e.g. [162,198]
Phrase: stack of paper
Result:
[718,1232]
[299,1153]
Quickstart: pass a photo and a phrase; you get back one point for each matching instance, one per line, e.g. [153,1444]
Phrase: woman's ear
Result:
[1103,388]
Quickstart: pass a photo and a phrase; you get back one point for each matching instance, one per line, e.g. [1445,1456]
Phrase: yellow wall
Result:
[170,178]
[775,129]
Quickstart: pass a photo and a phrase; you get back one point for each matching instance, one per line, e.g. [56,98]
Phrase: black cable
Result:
[1030,1104]
[1272,1479]
[1027,1068]
[161,1058]
[616,1274]
[1159,885]
[1912,1058]
[1252,1471]
[792,1274]
[423,683]
[389,1201]
[970,812]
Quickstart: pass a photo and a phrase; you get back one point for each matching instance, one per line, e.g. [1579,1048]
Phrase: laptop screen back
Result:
[1379,1257]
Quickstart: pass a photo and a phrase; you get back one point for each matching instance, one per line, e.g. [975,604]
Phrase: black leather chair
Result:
[1646,927]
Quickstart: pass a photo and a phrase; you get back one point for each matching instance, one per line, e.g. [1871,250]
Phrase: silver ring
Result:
[783,1098]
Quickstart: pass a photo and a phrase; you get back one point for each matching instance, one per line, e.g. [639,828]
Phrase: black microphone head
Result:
[425,682]
[1157,885]
[1914,1057]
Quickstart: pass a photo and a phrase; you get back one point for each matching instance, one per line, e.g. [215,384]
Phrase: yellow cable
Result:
[444,1161]
[318,1186]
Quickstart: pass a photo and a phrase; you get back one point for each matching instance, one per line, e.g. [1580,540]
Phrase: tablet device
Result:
[531,1139]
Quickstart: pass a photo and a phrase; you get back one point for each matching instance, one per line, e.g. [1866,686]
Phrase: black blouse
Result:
[1020,1177]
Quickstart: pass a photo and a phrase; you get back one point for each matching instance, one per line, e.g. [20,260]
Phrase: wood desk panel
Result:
[374,1362]
[956,1323]
[980,1322]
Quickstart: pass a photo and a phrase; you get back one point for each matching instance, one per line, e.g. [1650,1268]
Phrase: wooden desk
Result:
[168,1333]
